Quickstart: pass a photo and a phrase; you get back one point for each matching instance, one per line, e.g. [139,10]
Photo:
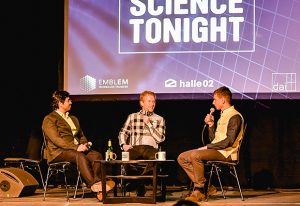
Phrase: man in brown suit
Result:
[66,142]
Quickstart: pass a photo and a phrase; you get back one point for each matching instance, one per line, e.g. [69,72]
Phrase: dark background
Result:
[32,58]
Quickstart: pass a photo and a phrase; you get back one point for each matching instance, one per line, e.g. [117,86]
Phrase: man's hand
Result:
[202,148]
[88,145]
[82,148]
[209,120]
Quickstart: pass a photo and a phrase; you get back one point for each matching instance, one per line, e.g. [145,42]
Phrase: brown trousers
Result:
[89,170]
[192,162]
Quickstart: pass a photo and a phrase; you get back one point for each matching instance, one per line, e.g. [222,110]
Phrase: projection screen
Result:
[182,48]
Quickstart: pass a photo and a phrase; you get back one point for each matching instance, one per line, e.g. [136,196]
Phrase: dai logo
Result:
[284,82]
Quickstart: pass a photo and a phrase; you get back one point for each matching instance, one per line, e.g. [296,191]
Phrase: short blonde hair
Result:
[224,92]
[144,93]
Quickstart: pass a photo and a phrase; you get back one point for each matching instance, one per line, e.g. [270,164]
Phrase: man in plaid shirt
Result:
[141,135]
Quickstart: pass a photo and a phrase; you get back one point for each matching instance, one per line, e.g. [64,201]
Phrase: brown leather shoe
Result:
[211,190]
[97,187]
[196,196]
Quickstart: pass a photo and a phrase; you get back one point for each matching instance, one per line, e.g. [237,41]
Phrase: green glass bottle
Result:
[109,151]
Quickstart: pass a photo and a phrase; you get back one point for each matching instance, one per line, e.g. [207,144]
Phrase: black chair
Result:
[61,168]
[217,167]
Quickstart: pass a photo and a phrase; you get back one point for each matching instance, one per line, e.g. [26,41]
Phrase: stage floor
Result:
[57,197]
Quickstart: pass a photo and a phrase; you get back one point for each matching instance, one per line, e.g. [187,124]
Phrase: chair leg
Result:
[238,182]
[22,166]
[217,171]
[122,182]
[82,186]
[77,183]
[41,175]
[66,184]
[46,183]
[76,187]
[209,182]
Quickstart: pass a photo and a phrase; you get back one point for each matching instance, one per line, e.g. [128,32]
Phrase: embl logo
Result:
[87,83]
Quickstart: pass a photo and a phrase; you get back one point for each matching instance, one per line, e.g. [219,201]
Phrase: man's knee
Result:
[98,156]
[95,155]
[81,156]
[180,159]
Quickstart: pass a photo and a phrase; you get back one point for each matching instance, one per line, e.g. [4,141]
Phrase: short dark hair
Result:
[224,92]
[58,96]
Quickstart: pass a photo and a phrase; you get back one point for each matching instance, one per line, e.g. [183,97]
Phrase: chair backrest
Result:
[240,143]
[43,145]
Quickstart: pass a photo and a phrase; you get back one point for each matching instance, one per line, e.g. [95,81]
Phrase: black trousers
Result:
[143,152]
[140,152]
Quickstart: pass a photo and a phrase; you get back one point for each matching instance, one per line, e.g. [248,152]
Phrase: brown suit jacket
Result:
[58,135]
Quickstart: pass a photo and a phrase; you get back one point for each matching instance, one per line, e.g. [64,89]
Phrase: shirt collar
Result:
[146,113]
[64,115]
[227,110]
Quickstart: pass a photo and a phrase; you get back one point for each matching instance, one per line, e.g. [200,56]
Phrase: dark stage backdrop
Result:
[33,49]
[270,153]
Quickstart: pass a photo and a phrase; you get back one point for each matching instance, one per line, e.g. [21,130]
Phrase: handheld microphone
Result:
[148,114]
[89,145]
[211,111]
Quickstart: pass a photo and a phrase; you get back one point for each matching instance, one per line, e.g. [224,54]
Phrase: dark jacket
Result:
[58,135]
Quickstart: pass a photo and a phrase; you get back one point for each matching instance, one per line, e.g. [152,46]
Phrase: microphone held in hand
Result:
[147,113]
[212,110]
[208,118]
[89,145]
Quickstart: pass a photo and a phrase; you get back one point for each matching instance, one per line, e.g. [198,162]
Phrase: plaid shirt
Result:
[136,132]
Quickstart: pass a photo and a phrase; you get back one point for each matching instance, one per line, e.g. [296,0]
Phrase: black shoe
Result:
[141,191]
[129,187]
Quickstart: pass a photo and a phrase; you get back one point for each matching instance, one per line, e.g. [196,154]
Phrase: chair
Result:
[27,164]
[24,164]
[61,168]
[217,166]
